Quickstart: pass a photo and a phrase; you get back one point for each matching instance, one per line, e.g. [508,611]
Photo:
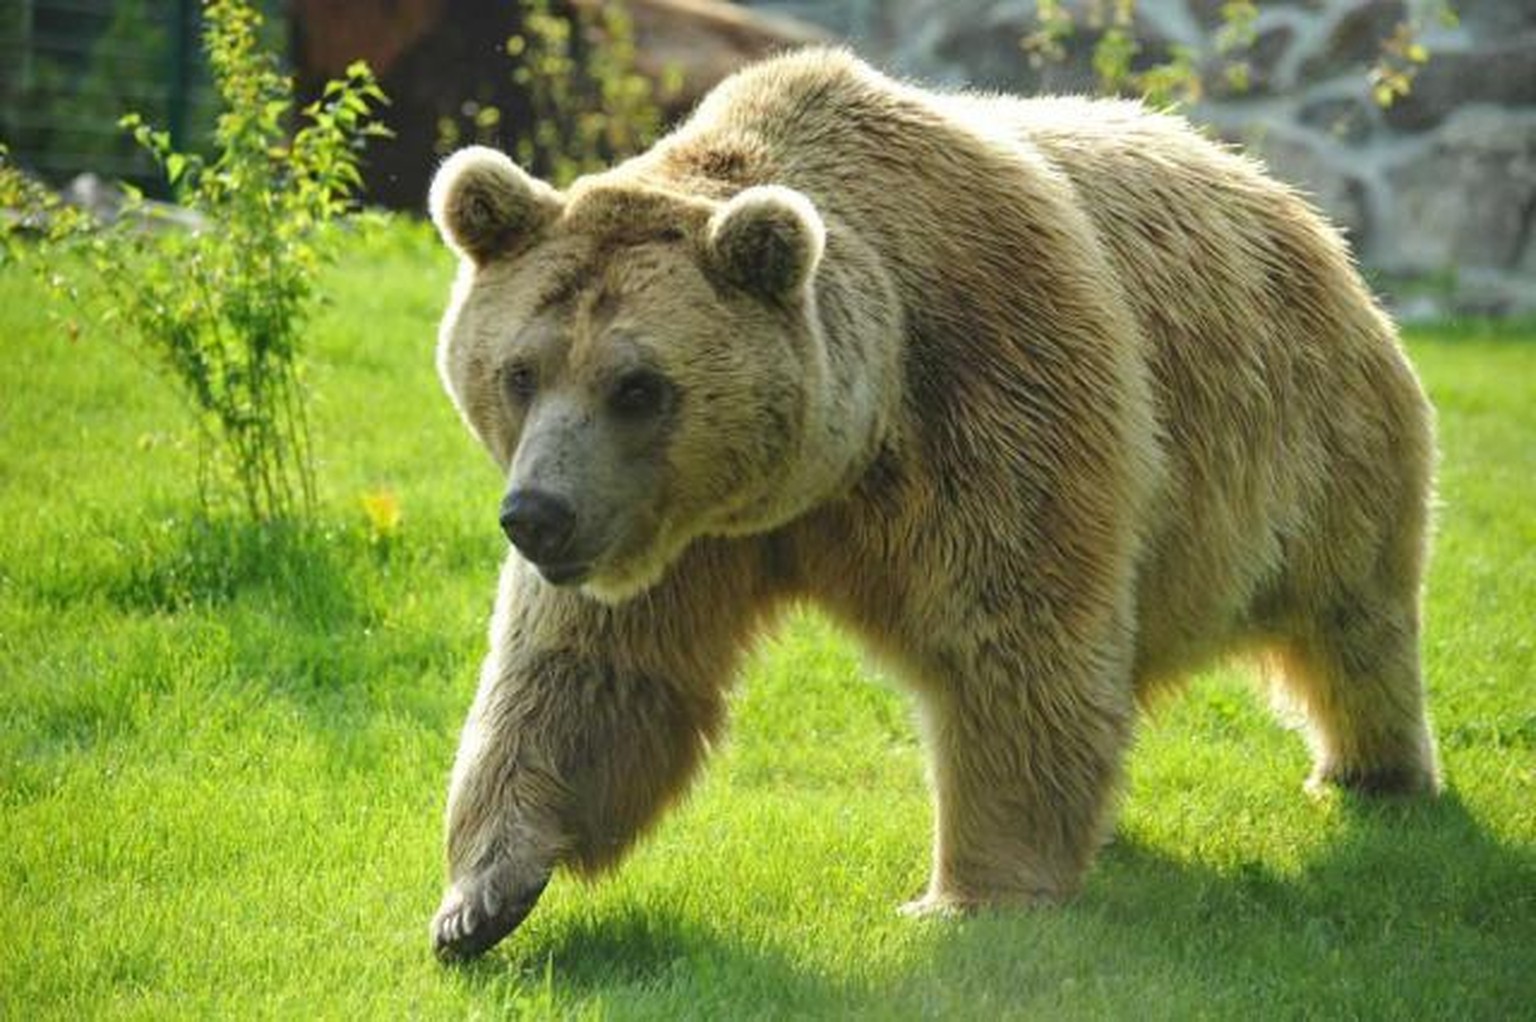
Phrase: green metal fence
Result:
[69,69]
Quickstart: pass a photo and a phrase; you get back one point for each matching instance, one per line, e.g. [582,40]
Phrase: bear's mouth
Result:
[569,574]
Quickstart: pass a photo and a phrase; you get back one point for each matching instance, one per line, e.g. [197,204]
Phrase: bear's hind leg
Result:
[1354,671]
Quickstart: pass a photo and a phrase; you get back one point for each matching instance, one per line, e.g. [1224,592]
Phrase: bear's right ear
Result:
[768,239]
[485,206]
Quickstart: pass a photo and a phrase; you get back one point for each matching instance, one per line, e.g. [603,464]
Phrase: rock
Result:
[990,52]
[1438,186]
[105,201]
[703,41]
[1416,308]
[856,19]
[1354,41]
[1468,199]
[1207,13]
[96,196]
[981,42]
[1503,73]
[1344,118]
[1489,295]
[1263,59]
[1305,162]
[1496,19]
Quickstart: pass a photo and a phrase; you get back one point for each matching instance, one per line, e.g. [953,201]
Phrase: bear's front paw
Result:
[476,914]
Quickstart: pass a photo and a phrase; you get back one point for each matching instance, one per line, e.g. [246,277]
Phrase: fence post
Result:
[181,72]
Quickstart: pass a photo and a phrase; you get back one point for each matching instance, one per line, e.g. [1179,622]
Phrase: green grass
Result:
[223,755]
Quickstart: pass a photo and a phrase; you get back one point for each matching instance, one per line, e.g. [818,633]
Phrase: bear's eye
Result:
[640,394]
[520,382]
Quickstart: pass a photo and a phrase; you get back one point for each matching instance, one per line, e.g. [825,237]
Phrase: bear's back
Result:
[1281,391]
[1189,220]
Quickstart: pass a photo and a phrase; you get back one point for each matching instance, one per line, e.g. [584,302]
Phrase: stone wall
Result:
[1437,192]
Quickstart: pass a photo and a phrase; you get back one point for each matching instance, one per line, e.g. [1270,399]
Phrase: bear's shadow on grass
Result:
[1367,910]
[657,952]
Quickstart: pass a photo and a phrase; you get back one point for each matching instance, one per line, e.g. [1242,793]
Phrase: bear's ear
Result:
[484,205]
[768,240]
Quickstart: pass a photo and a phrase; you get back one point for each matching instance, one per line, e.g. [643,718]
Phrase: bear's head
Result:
[646,366]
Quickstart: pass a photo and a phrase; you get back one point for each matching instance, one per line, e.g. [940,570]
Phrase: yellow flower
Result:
[382,509]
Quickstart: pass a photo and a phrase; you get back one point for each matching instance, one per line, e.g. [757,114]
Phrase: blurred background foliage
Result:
[1412,123]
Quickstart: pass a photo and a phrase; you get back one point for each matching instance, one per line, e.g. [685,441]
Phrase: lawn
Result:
[223,754]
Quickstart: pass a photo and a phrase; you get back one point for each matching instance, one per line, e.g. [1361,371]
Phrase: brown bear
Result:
[1051,401]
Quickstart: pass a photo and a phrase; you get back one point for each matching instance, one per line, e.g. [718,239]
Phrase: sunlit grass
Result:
[223,754]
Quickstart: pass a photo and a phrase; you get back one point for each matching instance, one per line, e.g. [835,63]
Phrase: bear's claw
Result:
[471,922]
[932,906]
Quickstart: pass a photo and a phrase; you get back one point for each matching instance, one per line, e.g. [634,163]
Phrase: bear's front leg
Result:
[1024,769]
[505,832]
[588,721]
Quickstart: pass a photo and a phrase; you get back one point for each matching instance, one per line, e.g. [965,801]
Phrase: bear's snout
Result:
[542,527]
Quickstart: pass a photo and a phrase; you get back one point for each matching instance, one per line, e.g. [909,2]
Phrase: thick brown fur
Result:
[1051,401]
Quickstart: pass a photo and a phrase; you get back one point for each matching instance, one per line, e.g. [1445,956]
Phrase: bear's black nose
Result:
[538,524]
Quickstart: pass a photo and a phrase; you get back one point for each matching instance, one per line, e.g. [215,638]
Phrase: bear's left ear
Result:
[484,205]
[768,240]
